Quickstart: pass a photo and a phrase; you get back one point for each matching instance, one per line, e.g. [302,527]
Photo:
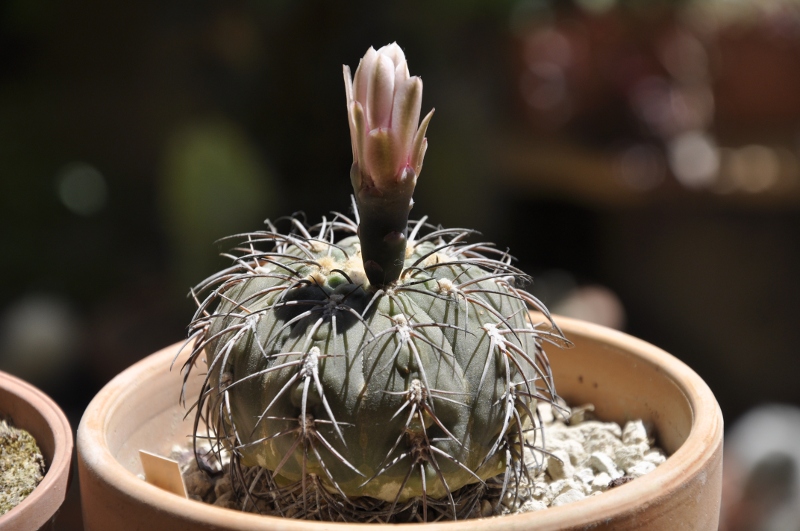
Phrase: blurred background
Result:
[640,158]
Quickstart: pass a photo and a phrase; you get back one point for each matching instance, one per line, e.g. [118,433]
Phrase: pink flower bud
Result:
[383,108]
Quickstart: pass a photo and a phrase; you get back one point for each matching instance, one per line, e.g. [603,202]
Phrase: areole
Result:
[625,378]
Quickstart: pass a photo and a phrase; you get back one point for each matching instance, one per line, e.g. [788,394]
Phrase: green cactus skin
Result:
[400,392]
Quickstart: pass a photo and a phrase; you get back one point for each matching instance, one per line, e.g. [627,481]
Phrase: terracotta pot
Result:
[30,409]
[624,378]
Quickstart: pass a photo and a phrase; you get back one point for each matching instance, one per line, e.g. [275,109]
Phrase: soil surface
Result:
[21,466]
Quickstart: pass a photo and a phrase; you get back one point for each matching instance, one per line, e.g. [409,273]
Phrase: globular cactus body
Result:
[409,390]
[367,360]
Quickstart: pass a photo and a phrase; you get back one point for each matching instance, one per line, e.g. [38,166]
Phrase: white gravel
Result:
[584,458]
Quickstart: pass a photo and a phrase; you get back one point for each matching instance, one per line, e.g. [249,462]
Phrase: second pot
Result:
[33,411]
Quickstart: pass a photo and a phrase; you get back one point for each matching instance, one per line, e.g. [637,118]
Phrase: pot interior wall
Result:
[622,387]
[132,424]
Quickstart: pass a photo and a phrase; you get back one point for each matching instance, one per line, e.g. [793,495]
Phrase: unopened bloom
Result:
[383,104]
[383,108]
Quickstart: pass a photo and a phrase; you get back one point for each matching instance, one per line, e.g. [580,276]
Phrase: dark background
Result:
[639,158]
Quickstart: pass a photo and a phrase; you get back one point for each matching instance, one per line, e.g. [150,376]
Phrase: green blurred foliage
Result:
[213,184]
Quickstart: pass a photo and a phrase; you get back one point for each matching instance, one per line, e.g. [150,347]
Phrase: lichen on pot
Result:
[22,465]
[381,369]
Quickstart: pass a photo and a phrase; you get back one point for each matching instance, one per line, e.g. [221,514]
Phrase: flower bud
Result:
[383,108]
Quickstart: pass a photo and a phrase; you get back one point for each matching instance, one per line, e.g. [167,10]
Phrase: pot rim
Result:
[704,439]
[46,499]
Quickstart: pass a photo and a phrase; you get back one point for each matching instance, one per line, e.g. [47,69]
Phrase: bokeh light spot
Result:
[755,168]
[694,159]
[82,188]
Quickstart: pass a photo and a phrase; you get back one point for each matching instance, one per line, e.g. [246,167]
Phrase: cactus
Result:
[371,363]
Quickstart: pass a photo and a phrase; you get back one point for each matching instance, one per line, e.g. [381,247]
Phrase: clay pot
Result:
[623,377]
[30,409]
